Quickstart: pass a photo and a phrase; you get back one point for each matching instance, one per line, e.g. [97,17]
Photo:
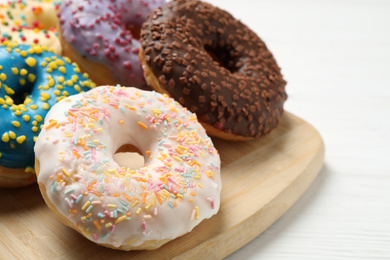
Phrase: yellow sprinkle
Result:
[74,78]
[45,95]
[15,123]
[30,61]
[23,72]
[31,77]
[29,169]
[2,101]
[52,65]
[51,83]
[108,225]
[135,203]
[57,92]
[9,101]
[60,62]
[196,212]
[33,107]
[62,69]
[35,138]
[77,88]
[34,128]
[26,118]
[65,171]
[86,205]
[22,82]
[12,135]
[12,146]
[120,219]
[177,158]
[9,90]
[5,137]
[23,53]
[45,106]
[27,101]
[138,211]
[149,205]
[38,118]
[110,205]
[15,70]
[70,83]
[60,79]
[21,139]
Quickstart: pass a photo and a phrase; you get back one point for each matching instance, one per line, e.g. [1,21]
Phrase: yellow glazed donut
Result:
[29,22]
[178,186]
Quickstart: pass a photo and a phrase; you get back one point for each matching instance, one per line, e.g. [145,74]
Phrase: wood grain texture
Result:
[261,179]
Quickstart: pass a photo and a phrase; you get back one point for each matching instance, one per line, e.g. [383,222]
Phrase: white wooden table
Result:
[335,56]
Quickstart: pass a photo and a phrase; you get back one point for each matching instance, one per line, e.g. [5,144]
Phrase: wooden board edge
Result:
[232,239]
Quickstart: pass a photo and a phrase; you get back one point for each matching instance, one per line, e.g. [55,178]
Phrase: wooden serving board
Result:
[261,180]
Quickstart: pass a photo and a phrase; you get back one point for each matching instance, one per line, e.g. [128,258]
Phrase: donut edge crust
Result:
[147,245]
[98,72]
[15,178]
[153,82]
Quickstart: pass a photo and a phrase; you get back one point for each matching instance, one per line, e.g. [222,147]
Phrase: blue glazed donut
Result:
[32,80]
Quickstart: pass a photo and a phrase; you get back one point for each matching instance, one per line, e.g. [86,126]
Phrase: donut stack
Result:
[160,68]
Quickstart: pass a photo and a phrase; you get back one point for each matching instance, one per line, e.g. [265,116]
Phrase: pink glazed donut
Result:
[101,36]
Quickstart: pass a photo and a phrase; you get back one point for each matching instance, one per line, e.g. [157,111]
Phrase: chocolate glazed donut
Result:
[215,66]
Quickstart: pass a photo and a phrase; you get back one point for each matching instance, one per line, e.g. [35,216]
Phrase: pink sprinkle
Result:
[211,200]
[95,236]
[112,228]
[68,202]
[179,169]
[144,225]
[193,214]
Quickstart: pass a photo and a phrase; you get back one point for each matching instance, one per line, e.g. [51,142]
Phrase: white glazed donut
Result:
[178,186]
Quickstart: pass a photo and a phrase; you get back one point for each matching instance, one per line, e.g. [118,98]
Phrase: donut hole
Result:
[129,156]
[135,31]
[222,57]
[21,93]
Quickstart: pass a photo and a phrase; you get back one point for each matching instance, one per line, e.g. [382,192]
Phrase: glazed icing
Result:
[32,80]
[99,31]
[178,186]
[29,22]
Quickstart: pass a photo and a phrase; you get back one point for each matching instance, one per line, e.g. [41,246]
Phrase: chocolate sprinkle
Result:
[214,65]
